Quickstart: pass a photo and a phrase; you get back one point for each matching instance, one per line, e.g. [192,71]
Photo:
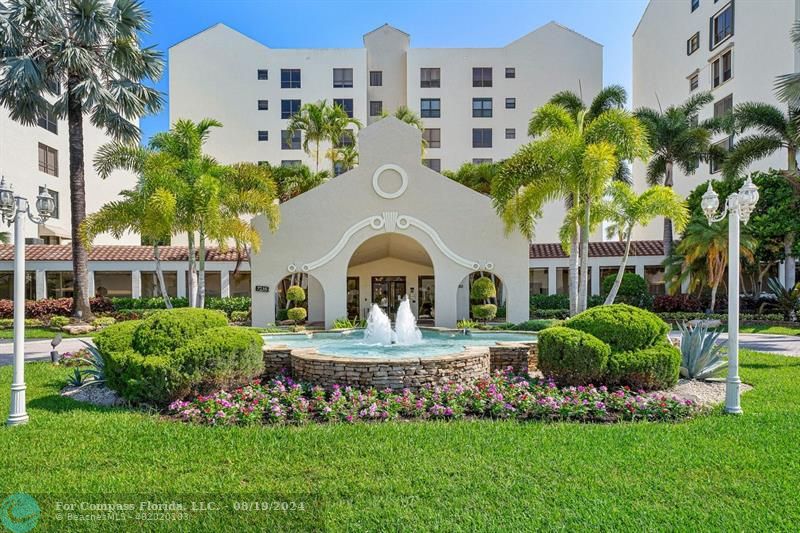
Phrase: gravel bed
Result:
[95,394]
[702,392]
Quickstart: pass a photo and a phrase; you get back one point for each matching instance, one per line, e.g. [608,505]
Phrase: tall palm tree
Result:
[569,159]
[629,210]
[318,122]
[93,51]
[787,86]
[346,156]
[676,138]
[772,131]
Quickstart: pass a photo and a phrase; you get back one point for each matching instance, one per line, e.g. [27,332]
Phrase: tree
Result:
[318,122]
[573,160]
[629,210]
[774,131]
[93,51]
[346,156]
[294,180]
[788,85]
[477,177]
[676,138]
[404,114]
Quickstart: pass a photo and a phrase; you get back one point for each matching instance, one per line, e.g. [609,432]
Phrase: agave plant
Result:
[787,301]
[97,366]
[76,379]
[701,356]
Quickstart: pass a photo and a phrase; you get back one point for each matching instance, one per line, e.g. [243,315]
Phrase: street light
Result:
[13,209]
[739,206]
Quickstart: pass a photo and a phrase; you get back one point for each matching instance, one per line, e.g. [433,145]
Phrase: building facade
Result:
[733,48]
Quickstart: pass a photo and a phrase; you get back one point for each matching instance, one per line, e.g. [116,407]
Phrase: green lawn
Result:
[773,330]
[715,472]
[40,333]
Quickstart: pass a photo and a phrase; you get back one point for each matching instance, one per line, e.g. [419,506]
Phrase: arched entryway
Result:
[315,297]
[384,269]
[464,304]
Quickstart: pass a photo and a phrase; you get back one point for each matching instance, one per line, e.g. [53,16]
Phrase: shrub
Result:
[656,367]
[633,290]
[594,300]
[483,289]
[296,294]
[346,323]
[103,321]
[549,301]
[678,302]
[281,315]
[165,331]
[143,379]
[240,317]
[297,314]
[229,305]
[484,311]
[534,325]
[59,322]
[116,338]
[6,323]
[220,358]
[623,327]
[559,314]
[571,356]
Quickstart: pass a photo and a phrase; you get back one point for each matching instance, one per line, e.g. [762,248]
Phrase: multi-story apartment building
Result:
[35,157]
[733,48]
[475,103]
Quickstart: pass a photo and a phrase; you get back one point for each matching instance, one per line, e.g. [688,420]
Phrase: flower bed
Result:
[501,396]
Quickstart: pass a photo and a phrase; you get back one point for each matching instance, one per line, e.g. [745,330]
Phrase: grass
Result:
[771,330]
[41,333]
[715,472]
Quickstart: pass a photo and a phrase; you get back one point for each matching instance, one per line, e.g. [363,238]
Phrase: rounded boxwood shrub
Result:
[484,311]
[164,331]
[483,289]
[298,314]
[572,357]
[152,380]
[657,367]
[295,293]
[633,290]
[116,338]
[623,327]
[220,358]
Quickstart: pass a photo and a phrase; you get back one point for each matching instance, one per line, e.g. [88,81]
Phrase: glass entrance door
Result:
[388,292]
[426,298]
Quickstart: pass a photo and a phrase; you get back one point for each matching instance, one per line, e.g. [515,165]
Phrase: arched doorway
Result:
[464,302]
[315,297]
[384,269]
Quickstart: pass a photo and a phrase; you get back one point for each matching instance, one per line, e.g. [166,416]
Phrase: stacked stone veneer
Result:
[521,357]
[276,361]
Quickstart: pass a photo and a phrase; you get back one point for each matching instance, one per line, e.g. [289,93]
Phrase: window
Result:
[290,78]
[511,133]
[375,108]
[722,69]
[239,283]
[511,72]
[58,284]
[114,284]
[695,4]
[151,287]
[481,160]
[291,162]
[289,108]
[723,107]
[342,77]
[693,44]
[429,77]
[430,108]
[49,121]
[290,140]
[263,105]
[654,275]
[433,164]
[482,107]
[263,135]
[375,78]
[694,81]
[48,160]
[347,138]
[511,103]
[263,163]
[482,77]
[482,137]
[54,194]
[721,25]
[725,145]
[346,104]
[433,137]
[263,74]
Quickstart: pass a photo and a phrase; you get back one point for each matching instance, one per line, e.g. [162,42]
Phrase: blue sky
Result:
[431,23]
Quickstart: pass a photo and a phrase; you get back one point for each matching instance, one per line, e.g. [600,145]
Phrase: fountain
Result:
[379,328]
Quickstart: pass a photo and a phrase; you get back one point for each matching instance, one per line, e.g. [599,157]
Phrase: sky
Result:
[431,23]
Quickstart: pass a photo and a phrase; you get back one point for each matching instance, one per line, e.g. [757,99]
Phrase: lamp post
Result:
[738,207]
[14,209]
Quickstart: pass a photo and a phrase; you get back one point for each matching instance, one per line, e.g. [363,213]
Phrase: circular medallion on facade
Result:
[390,181]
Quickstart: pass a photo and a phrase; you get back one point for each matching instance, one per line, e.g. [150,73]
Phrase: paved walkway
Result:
[39,350]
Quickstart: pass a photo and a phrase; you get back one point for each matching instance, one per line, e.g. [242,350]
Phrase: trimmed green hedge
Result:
[166,331]
[116,338]
[572,357]
[633,290]
[657,367]
[484,311]
[621,326]
[228,304]
[483,289]
[549,301]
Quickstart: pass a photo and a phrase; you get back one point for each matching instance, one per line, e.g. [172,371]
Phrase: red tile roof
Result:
[599,249]
[113,252]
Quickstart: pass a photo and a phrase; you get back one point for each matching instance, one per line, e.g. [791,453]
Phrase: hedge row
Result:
[63,306]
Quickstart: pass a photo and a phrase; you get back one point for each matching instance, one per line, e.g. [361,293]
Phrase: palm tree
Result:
[702,255]
[294,180]
[93,50]
[346,156]
[477,177]
[676,138]
[404,114]
[774,131]
[629,210]
[573,160]
[787,86]
[318,122]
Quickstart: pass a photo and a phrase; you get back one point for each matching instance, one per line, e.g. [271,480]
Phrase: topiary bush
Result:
[483,289]
[484,311]
[220,358]
[572,357]
[623,327]
[296,294]
[116,338]
[656,367]
[297,314]
[164,331]
[633,290]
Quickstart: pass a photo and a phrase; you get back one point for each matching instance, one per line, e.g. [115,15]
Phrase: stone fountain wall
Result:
[521,357]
